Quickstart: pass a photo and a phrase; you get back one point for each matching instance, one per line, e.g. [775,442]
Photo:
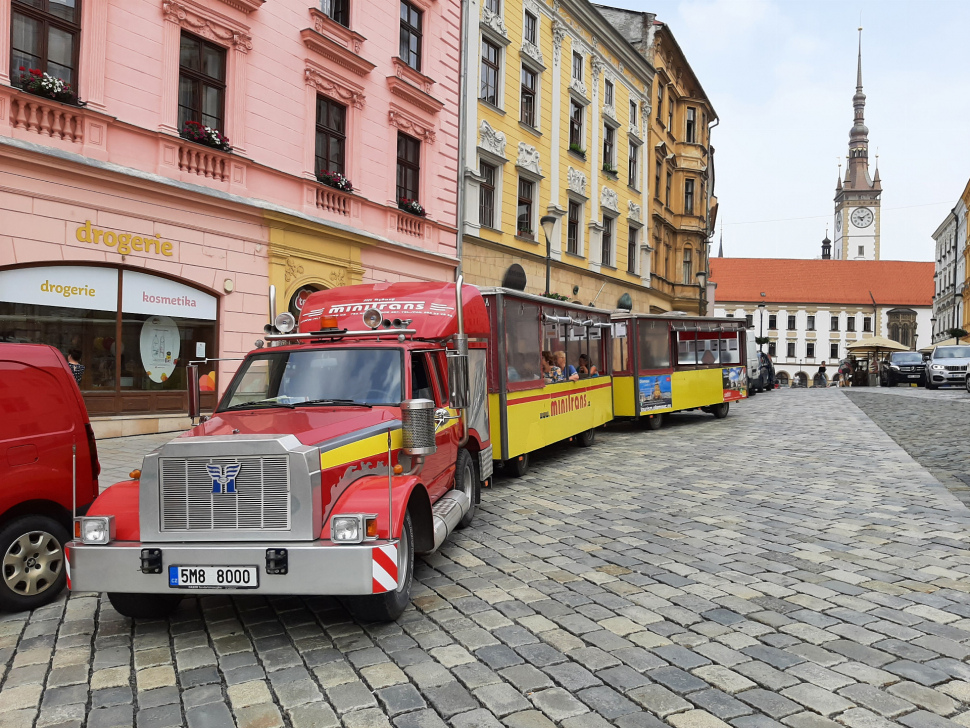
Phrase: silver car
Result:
[947,365]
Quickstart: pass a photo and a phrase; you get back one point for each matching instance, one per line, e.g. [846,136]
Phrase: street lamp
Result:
[761,322]
[548,223]
[933,329]
[702,282]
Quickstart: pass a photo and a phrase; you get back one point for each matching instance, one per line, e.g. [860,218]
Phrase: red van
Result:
[46,442]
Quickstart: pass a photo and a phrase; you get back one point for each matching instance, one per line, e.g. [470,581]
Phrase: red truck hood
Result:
[311,425]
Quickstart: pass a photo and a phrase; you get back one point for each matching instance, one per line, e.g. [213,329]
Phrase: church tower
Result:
[857,197]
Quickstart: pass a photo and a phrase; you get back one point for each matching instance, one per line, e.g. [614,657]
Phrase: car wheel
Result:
[144,606]
[519,466]
[390,605]
[930,386]
[720,411]
[33,562]
[466,480]
[585,439]
[653,422]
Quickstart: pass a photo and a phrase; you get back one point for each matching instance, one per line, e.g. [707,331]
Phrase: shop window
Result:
[653,345]
[331,135]
[410,47]
[45,35]
[486,196]
[408,167]
[337,11]
[730,351]
[202,82]
[522,339]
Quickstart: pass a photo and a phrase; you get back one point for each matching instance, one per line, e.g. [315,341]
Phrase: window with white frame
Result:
[491,60]
[486,196]
[609,149]
[606,256]
[528,107]
[574,223]
[634,165]
[633,114]
[690,133]
[632,250]
[525,209]
[688,266]
[337,10]
[531,30]
[608,92]
[576,136]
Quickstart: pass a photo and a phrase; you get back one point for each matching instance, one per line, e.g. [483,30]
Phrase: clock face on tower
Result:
[861,217]
[838,221]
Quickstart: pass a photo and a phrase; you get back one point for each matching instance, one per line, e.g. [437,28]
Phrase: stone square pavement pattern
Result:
[789,565]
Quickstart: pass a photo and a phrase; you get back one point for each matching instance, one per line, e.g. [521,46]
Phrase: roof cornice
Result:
[604,32]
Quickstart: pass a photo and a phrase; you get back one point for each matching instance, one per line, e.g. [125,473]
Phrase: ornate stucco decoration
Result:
[206,23]
[558,34]
[494,22]
[293,270]
[532,51]
[610,111]
[333,88]
[578,86]
[609,199]
[528,158]
[415,128]
[491,140]
[635,213]
[576,181]
[634,129]
[598,68]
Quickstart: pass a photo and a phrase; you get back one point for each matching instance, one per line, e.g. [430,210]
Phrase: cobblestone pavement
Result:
[930,426]
[788,565]
[120,455]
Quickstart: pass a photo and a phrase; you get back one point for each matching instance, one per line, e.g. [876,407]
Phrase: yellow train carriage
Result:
[667,363]
[528,408]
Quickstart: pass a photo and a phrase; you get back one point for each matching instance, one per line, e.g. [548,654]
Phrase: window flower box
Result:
[524,233]
[411,206]
[335,180]
[195,132]
[46,86]
[576,149]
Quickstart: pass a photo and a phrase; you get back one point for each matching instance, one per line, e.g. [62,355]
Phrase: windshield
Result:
[288,378]
[952,352]
[907,358]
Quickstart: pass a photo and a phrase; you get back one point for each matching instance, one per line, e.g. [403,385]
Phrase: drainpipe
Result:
[462,120]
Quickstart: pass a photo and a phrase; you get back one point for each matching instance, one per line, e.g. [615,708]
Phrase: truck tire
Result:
[585,439]
[653,422]
[390,605]
[517,467]
[33,562]
[466,480]
[144,606]
[720,411]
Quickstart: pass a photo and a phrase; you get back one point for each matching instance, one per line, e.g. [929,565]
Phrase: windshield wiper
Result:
[337,402]
[258,404]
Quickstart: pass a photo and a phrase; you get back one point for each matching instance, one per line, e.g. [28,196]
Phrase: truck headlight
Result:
[95,529]
[353,528]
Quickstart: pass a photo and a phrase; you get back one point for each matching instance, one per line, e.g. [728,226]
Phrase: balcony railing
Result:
[409,225]
[333,201]
[47,118]
[197,159]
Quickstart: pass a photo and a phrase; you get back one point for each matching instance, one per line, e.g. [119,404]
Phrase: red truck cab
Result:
[48,469]
[336,453]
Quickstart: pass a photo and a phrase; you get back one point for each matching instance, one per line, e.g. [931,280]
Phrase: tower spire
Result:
[720,248]
[857,176]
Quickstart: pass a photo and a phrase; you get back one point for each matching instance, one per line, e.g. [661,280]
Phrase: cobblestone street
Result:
[790,564]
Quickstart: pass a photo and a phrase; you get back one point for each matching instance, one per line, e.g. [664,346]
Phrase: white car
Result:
[948,365]
[754,367]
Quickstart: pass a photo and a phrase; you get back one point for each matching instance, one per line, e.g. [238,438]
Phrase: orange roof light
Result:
[328,322]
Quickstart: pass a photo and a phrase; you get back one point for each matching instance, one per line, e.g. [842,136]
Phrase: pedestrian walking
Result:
[74,361]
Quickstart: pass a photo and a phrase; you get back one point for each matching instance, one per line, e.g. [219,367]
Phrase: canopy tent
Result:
[875,344]
[949,342]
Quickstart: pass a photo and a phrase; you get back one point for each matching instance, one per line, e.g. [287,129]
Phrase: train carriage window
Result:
[596,345]
[654,344]
[730,353]
[522,338]
[687,348]
[707,348]
[621,351]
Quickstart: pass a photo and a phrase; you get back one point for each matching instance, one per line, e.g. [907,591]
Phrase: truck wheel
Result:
[390,605]
[585,439]
[519,466]
[466,480]
[33,562]
[653,422]
[720,411]
[144,606]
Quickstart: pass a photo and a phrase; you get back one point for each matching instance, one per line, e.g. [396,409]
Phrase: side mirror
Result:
[195,404]
[417,420]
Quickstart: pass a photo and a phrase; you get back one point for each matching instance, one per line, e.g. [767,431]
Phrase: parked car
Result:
[46,441]
[754,367]
[906,367]
[767,372]
[947,365]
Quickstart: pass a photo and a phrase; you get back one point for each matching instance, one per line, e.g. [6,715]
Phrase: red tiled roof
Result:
[892,282]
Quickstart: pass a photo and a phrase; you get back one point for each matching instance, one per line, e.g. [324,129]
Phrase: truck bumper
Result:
[316,567]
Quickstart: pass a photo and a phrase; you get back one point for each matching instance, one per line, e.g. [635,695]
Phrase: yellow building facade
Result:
[962,229]
[556,124]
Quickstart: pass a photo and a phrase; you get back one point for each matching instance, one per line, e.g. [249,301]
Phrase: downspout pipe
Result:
[462,152]
[461,346]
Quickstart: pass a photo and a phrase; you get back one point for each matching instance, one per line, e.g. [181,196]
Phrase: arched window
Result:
[902,325]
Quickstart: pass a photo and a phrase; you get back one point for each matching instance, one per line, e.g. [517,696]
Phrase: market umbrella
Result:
[948,342]
[876,343]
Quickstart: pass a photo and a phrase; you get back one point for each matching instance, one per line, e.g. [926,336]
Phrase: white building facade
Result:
[946,301]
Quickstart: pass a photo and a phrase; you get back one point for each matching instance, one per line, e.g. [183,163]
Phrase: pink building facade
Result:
[123,240]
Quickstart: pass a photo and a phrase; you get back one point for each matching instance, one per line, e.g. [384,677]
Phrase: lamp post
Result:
[933,329]
[761,322]
[702,282]
[548,223]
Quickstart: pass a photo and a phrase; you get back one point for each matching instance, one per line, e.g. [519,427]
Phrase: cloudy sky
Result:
[781,75]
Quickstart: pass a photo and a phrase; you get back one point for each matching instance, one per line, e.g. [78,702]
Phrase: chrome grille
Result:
[957,368]
[261,501]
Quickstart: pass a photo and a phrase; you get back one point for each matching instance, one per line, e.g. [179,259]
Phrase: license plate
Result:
[213,577]
[913,376]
